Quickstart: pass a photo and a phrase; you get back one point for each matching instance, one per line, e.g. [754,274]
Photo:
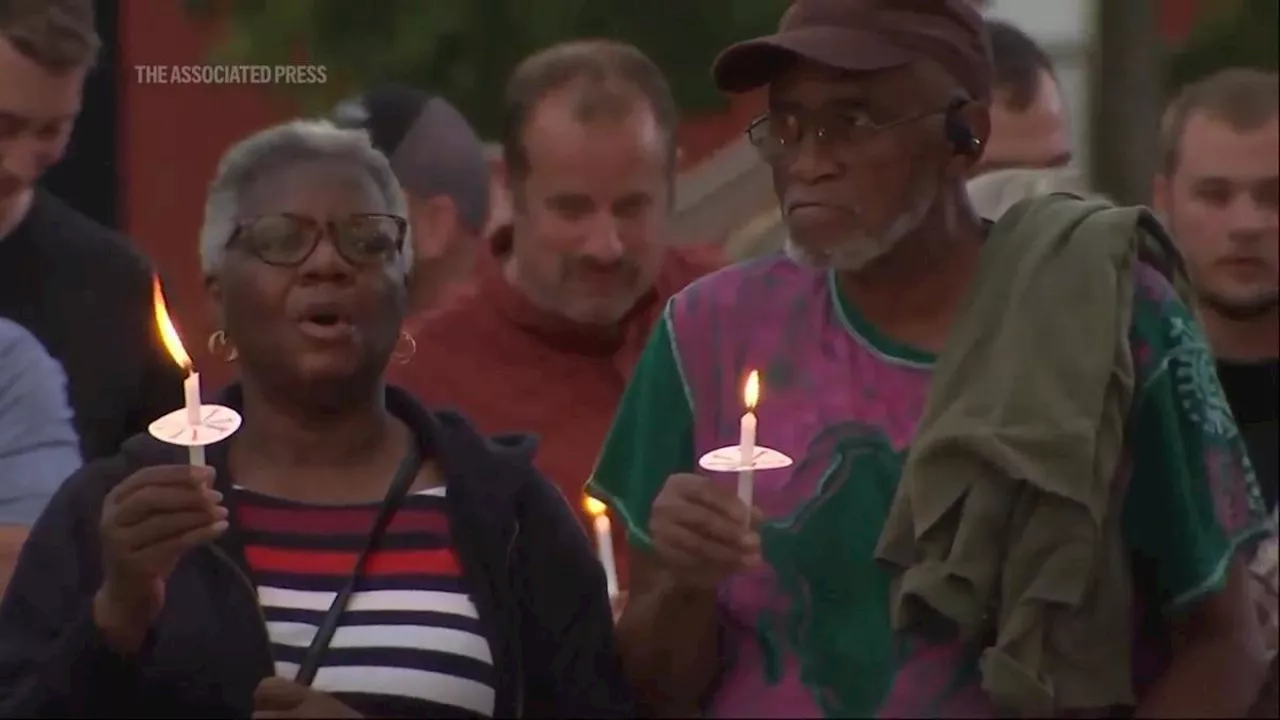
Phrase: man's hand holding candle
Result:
[149,522]
[702,532]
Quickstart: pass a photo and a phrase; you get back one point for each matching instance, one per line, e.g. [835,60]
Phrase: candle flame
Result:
[594,507]
[168,333]
[751,390]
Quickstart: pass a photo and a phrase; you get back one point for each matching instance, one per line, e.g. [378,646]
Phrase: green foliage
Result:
[1232,33]
[465,49]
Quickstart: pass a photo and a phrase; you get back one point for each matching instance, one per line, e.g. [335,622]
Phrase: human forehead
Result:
[1212,148]
[30,92]
[316,187]
[559,140]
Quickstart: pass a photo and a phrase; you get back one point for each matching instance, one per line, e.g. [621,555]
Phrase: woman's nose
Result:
[326,262]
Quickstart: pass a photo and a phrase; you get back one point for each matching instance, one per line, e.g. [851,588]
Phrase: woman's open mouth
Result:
[326,326]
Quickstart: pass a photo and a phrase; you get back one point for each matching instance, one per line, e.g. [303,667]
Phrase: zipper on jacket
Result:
[253,593]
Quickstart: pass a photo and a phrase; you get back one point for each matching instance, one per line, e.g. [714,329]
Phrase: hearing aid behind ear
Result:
[959,134]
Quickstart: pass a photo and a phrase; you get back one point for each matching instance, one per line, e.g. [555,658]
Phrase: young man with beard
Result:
[801,602]
[566,294]
[78,287]
[1219,191]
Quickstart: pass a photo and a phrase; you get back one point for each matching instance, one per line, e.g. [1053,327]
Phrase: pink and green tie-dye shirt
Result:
[809,634]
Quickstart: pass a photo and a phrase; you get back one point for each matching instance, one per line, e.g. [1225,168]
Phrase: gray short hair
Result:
[282,146]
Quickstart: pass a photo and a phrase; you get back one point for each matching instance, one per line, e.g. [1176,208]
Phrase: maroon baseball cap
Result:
[865,35]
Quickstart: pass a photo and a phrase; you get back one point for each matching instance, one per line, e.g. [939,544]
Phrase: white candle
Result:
[747,453]
[747,440]
[191,393]
[604,546]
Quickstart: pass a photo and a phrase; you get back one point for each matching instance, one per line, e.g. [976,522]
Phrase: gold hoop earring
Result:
[401,357]
[222,348]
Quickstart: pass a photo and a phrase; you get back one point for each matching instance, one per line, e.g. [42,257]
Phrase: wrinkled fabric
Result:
[1006,525]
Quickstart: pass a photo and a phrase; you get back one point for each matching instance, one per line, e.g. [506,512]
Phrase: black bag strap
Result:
[396,493]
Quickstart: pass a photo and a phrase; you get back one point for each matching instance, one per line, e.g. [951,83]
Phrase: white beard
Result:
[861,250]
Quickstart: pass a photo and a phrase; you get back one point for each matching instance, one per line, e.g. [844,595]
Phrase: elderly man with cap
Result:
[440,162]
[961,402]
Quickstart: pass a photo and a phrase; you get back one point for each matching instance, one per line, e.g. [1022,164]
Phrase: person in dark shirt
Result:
[353,554]
[1219,191]
[81,289]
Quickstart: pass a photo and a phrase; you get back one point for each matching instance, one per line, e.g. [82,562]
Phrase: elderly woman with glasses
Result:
[347,552]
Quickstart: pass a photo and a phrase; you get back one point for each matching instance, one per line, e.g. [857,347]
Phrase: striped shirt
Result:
[410,643]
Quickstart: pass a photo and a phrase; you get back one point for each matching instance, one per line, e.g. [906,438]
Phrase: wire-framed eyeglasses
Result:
[776,134]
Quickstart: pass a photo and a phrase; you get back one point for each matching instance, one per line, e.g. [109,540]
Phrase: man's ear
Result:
[433,226]
[1161,191]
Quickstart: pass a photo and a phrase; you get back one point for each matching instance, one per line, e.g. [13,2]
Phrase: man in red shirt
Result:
[568,292]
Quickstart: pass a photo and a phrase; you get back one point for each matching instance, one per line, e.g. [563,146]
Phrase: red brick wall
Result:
[171,137]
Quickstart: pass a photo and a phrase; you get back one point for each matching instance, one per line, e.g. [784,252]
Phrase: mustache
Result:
[592,266]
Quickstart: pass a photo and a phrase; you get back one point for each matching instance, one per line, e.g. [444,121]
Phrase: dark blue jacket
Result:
[539,589]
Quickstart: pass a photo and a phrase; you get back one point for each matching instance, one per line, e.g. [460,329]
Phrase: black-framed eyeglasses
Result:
[778,133]
[287,240]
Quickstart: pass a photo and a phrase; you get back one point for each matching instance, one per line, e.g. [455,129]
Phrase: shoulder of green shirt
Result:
[1193,500]
[651,437]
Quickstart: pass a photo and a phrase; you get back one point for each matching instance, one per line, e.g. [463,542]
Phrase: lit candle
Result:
[599,513]
[190,386]
[747,439]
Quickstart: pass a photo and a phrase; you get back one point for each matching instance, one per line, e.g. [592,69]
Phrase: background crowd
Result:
[538,226]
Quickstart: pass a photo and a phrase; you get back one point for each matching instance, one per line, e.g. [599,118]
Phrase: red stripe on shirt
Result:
[381,562]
